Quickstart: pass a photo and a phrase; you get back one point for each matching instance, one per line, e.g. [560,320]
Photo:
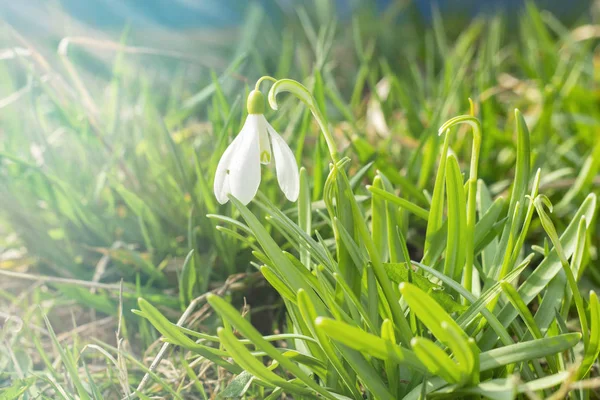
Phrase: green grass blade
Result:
[529,350]
[69,363]
[232,316]
[545,271]
[441,325]
[249,363]
[457,218]
[412,207]
[436,360]
[592,350]
[309,314]
[359,340]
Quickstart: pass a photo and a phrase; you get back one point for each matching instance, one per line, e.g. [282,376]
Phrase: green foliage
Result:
[441,347]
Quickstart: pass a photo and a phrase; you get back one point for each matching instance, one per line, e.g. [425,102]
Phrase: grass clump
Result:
[365,317]
[421,258]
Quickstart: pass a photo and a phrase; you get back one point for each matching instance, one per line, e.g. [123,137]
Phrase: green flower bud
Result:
[256,102]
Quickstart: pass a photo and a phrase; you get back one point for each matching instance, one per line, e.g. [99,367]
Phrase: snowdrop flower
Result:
[238,172]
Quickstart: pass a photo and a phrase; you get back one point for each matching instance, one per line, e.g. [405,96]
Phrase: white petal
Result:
[221,185]
[263,137]
[285,164]
[244,167]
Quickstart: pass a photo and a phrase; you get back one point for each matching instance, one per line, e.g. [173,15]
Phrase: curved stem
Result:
[302,93]
[346,202]
[472,184]
[264,78]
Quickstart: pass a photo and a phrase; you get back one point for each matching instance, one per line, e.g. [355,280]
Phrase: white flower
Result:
[238,172]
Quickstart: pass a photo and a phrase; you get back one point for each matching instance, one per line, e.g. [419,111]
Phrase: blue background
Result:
[182,14]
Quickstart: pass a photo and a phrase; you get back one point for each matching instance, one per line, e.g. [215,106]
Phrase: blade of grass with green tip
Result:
[357,362]
[545,271]
[176,336]
[581,250]
[497,327]
[514,298]
[441,325]
[359,340]
[592,350]
[277,283]
[519,187]
[232,316]
[548,226]
[469,231]
[509,262]
[436,360]
[249,363]
[302,269]
[314,364]
[309,315]
[399,272]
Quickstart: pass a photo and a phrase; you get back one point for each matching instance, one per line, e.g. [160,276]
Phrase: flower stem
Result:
[302,93]
[472,185]
[346,210]
[264,78]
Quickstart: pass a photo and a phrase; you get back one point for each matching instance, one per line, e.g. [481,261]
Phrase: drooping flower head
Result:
[238,171]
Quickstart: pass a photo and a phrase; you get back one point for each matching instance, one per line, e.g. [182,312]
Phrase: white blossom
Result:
[238,172]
